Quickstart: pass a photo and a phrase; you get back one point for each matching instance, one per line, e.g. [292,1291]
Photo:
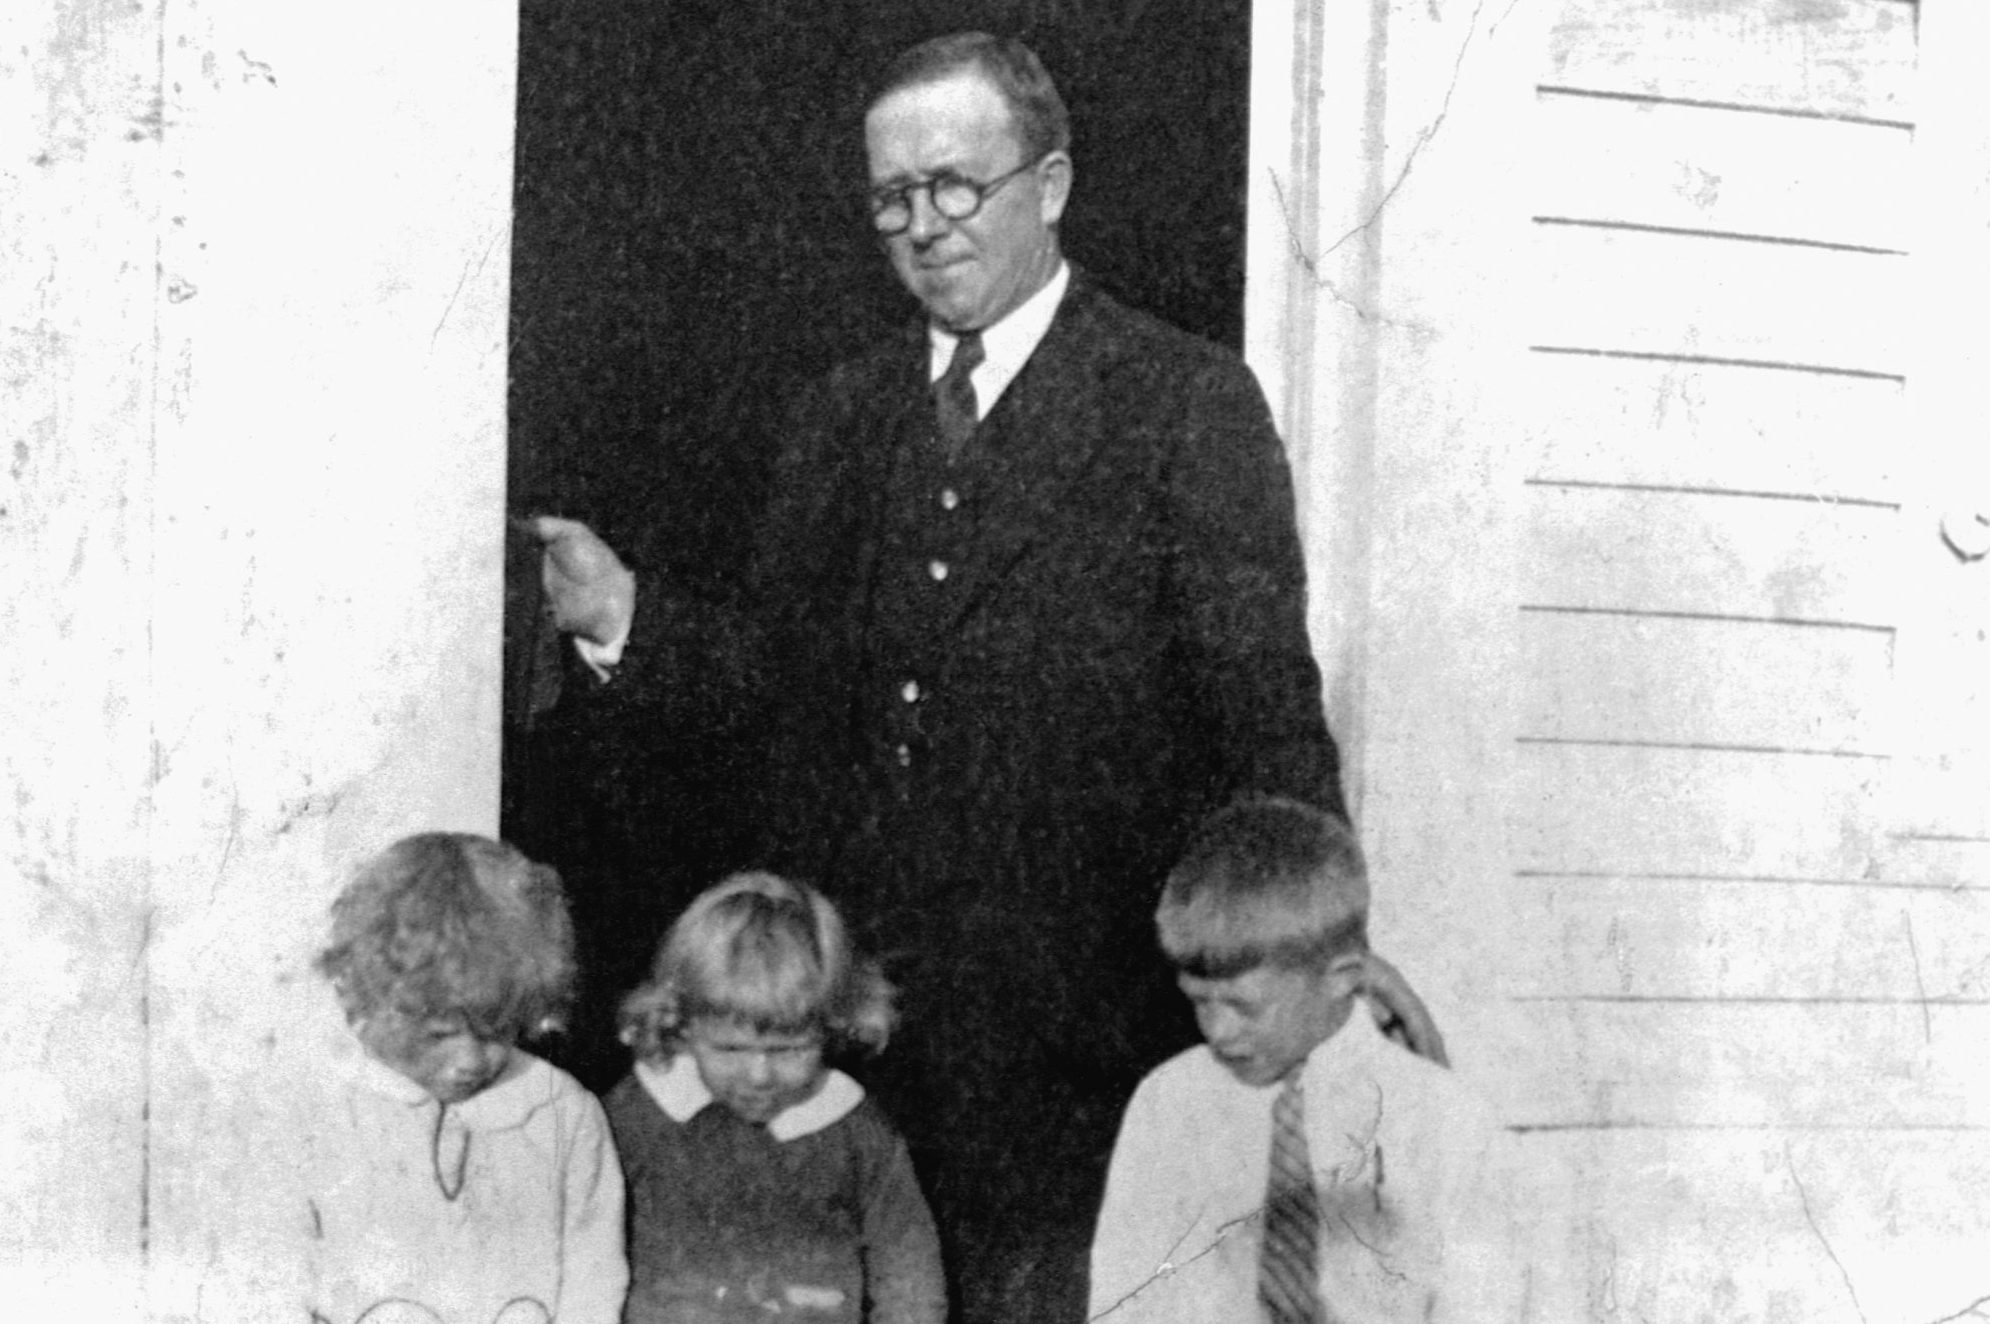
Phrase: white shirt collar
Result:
[1007,344]
[1353,1047]
[528,1085]
[680,1091]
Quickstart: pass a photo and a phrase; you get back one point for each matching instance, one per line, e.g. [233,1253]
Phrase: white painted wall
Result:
[1385,218]
[253,284]
[1624,437]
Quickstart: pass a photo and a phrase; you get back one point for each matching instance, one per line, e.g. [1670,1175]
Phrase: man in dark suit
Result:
[1029,602]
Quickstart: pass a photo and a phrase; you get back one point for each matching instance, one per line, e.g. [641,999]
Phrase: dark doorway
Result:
[689,241]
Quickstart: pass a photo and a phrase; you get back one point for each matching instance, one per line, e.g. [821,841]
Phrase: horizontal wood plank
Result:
[1600,677]
[1773,1226]
[1699,167]
[1686,552]
[1943,659]
[1712,426]
[1837,57]
[1946,796]
[1650,293]
[1787,1064]
[1700,938]
[1637,810]
[1948,859]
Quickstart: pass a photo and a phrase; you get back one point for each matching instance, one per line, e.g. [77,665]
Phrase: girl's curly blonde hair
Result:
[449,924]
[767,952]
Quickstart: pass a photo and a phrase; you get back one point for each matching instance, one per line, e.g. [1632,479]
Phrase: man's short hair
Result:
[1043,125]
[1265,881]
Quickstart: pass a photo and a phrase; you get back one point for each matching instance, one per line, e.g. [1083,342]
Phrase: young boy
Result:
[1297,1166]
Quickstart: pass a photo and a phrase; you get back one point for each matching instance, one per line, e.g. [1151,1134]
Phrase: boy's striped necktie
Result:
[1288,1267]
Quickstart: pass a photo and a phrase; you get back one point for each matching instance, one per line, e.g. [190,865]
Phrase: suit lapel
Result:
[1041,436]
[899,386]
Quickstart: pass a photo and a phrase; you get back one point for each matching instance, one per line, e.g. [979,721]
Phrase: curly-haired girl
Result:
[457,1174]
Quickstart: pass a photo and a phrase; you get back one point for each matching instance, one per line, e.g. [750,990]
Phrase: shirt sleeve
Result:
[602,659]
[594,1276]
[902,1272]
[1158,1245]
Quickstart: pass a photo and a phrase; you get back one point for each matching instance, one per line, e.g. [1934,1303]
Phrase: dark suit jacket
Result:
[1120,647]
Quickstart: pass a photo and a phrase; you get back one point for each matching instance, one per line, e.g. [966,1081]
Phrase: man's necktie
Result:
[1288,1268]
[953,398]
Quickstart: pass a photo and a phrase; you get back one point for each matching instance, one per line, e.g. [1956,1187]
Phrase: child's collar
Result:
[680,1091]
[1356,1043]
[525,1088]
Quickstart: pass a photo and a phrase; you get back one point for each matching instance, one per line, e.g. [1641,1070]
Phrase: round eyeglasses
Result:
[956,197]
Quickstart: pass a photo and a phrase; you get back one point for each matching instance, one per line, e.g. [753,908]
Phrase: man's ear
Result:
[1054,176]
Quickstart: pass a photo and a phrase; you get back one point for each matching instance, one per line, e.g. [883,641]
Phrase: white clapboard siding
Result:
[1709,168]
[1617,549]
[1656,292]
[1757,1010]
[1777,1226]
[1947,796]
[1796,1062]
[1820,57]
[1947,859]
[1738,813]
[1667,423]
[1667,936]
[1752,683]
[1942,662]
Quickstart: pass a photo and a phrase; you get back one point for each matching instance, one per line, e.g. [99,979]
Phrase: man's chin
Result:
[944,299]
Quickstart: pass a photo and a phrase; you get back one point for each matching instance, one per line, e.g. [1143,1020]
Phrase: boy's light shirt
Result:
[680,1091]
[1007,346]
[1407,1163]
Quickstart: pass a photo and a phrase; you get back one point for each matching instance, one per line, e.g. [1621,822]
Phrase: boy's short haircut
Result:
[446,924]
[1265,881]
[766,951]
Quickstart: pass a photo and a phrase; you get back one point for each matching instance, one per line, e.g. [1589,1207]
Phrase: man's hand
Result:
[1400,1012]
[592,594]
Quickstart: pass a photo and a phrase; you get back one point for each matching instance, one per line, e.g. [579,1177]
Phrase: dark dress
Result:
[729,1224]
